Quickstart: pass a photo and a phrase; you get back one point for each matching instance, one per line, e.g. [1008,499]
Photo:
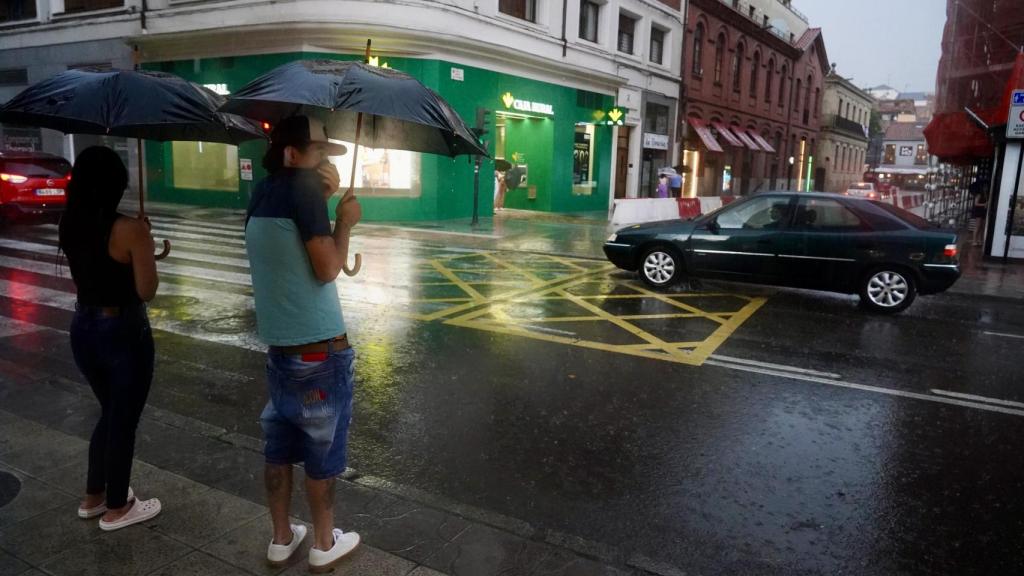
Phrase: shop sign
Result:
[221,89]
[655,141]
[245,167]
[513,103]
[1015,123]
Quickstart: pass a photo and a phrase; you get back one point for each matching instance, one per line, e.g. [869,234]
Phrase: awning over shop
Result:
[726,133]
[762,142]
[705,135]
[746,139]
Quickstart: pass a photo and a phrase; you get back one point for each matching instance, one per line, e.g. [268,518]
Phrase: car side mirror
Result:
[713,226]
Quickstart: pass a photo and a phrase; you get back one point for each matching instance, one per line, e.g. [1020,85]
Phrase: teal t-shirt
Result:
[292,306]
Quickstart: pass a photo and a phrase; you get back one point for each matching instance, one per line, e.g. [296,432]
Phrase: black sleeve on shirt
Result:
[309,210]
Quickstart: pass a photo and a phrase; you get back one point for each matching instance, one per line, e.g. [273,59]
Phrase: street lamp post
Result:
[789,173]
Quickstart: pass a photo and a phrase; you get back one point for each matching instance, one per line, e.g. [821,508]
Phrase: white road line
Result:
[235,278]
[430,231]
[12,327]
[782,367]
[972,397]
[240,227]
[1003,334]
[187,250]
[867,388]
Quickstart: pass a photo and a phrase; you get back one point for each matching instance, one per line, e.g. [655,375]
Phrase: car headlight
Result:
[613,237]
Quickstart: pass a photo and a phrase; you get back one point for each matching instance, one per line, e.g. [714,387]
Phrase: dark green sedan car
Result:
[804,240]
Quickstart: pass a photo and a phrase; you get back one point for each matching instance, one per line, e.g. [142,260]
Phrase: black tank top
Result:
[101,280]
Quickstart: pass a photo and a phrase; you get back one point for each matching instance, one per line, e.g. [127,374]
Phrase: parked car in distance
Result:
[32,186]
[829,242]
[863,190]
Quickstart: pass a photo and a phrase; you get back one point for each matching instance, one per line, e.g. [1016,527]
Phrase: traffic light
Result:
[482,120]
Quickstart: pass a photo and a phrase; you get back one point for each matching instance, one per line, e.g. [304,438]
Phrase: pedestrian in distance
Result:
[675,182]
[112,262]
[295,257]
[499,191]
[663,189]
[979,210]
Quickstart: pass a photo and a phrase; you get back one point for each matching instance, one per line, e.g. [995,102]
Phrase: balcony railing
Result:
[844,125]
[758,16]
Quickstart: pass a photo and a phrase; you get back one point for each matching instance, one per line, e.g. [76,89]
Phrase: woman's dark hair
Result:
[98,181]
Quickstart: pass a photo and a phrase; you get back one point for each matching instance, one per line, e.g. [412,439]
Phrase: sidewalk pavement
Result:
[583,235]
[213,521]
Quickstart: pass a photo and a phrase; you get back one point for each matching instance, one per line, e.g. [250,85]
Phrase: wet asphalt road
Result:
[812,439]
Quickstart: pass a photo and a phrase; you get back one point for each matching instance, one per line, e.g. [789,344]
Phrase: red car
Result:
[32,186]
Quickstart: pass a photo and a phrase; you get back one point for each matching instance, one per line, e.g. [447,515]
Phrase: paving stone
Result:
[408,529]
[363,561]
[19,433]
[152,482]
[49,534]
[484,551]
[424,571]
[201,518]
[39,453]
[11,566]
[70,477]
[34,498]
[132,551]
[246,547]
[198,564]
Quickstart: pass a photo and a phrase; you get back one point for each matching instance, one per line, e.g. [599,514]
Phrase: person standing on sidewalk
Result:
[112,264]
[294,259]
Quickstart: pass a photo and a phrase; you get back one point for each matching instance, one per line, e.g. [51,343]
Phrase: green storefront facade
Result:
[557,136]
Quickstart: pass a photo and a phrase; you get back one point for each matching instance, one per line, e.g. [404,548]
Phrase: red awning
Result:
[705,135]
[724,132]
[761,142]
[746,139]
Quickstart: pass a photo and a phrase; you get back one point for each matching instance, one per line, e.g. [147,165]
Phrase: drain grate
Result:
[10,486]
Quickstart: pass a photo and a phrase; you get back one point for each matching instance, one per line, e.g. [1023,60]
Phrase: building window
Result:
[523,9]
[737,73]
[835,159]
[755,71]
[627,31]
[719,58]
[751,12]
[14,10]
[86,5]
[782,85]
[589,12]
[807,96]
[656,118]
[14,77]
[922,155]
[817,101]
[205,166]
[698,50]
[769,74]
[890,154]
[796,97]
[840,113]
[657,44]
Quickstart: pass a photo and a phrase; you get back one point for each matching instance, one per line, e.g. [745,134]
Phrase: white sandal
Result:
[89,513]
[141,511]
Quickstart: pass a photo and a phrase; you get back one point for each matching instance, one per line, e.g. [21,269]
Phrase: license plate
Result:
[49,192]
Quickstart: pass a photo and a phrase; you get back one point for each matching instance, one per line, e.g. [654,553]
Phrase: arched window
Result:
[769,74]
[782,85]
[755,71]
[835,159]
[817,101]
[796,97]
[840,112]
[719,58]
[698,50]
[737,63]
[807,94]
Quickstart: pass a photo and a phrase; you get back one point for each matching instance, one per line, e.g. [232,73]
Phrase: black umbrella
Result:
[131,104]
[370,106]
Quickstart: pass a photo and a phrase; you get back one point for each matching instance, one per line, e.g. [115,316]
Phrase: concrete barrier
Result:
[629,211]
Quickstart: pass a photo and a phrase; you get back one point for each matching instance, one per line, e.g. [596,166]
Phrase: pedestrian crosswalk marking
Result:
[544,297]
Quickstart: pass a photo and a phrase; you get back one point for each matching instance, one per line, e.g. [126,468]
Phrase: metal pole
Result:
[1013,204]
[476,192]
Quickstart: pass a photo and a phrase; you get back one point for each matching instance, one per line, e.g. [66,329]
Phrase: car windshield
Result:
[38,167]
[908,217]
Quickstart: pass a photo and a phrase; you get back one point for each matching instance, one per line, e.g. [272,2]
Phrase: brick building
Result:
[753,98]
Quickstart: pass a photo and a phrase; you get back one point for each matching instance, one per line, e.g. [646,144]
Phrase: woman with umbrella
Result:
[114,269]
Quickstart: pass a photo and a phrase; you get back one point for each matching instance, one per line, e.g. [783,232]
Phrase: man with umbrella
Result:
[294,257]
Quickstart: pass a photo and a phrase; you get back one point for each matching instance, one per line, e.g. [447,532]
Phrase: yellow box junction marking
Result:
[495,287]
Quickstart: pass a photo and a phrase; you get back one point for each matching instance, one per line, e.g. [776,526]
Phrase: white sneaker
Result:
[321,561]
[278,554]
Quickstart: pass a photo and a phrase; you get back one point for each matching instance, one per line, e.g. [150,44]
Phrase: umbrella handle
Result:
[167,250]
[350,271]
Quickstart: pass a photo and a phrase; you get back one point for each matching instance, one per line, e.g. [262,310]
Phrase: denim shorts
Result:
[307,417]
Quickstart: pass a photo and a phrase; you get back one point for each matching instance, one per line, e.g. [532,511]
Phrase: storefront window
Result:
[13,10]
[922,155]
[380,172]
[583,161]
[205,166]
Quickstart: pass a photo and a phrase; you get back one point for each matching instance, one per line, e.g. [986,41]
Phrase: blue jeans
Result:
[309,411]
[115,354]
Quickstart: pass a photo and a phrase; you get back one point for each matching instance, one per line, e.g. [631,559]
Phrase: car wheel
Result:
[887,290]
[661,267]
